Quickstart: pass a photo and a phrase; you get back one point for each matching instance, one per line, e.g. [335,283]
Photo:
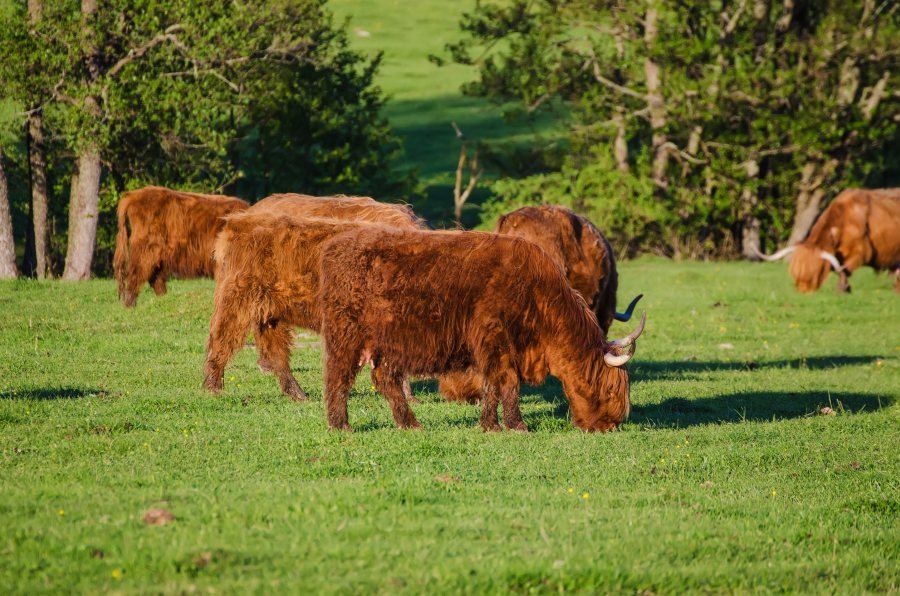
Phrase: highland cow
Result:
[172,234]
[429,303]
[860,227]
[584,255]
[344,208]
[266,282]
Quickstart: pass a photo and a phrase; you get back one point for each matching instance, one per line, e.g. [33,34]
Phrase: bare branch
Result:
[136,53]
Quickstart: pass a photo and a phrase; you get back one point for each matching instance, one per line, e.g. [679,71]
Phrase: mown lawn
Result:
[726,479]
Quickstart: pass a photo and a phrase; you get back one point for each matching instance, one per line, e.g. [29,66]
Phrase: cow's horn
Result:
[614,356]
[833,260]
[778,255]
[626,316]
[629,339]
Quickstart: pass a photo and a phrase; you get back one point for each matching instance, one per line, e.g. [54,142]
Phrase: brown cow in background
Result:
[860,227]
[429,303]
[345,208]
[267,278]
[584,255]
[172,234]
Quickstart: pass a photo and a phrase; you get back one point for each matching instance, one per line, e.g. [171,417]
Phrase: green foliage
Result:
[247,99]
[725,478]
[765,97]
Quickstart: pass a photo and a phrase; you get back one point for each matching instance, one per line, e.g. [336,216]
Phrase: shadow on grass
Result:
[752,406]
[50,393]
[650,370]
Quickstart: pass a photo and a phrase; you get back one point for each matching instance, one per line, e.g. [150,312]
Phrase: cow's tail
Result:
[120,259]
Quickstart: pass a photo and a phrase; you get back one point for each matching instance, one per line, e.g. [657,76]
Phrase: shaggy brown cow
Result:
[580,250]
[342,208]
[860,227]
[427,303]
[266,281]
[172,233]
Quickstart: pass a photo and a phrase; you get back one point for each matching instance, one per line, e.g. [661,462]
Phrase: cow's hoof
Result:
[298,395]
[490,428]
[519,427]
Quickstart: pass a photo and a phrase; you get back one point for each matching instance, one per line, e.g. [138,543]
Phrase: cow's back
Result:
[884,227]
[347,208]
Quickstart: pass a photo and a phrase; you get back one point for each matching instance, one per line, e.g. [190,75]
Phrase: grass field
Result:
[725,479]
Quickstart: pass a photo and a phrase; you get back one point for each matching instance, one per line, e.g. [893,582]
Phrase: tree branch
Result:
[136,53]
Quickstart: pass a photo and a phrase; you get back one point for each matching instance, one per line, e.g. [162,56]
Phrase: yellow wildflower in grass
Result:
[774,492]
[117,573]
[61,512]
[585,496]
[570,490]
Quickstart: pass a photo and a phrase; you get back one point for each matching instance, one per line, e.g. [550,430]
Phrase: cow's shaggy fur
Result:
[427,303]
[860,227]
[172,234]
[579,249]
[268,274]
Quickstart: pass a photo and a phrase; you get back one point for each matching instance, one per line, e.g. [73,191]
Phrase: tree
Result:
[7,245]
[744,114]
[193,94]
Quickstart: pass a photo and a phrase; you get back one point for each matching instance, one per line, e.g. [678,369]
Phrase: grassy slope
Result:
[425,99]
[724,479]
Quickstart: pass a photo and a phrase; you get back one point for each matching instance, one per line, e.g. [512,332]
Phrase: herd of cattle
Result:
[480,311]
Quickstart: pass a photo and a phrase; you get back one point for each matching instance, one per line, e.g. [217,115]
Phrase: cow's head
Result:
[610,401]
[810,265]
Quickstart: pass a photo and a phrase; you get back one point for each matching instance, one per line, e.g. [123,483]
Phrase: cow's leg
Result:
[843,285]
[489,422]
[390,384]
[227,333]
[407,392]
[140,266]
[341,369]
[158,280]
[505,382]
[273,342]
[495,364]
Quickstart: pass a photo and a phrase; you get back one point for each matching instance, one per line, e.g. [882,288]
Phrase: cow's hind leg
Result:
[273,341]
[227,333]
[390,384]
[140,267]
[505,382]
[407,392]
[158,280]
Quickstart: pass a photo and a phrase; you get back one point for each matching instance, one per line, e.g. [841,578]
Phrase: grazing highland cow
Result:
[428,303]
[343,208]
[267,279]
[860,227]
[580,251]
[172,233]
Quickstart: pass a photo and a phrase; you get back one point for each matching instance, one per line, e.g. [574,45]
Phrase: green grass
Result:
[425,98]
[725,478]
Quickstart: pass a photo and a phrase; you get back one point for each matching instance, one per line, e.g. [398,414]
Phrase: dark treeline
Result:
[696,128]
[246,98]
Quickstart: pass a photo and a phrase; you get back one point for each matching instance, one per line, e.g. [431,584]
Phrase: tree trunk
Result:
[620,145]
[750,225]
[809,199]
[85,193]
[39,197]
[37,164]
[83,212]
[7,244]
[655,103]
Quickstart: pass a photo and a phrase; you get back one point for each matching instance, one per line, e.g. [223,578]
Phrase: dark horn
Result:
[626,316]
